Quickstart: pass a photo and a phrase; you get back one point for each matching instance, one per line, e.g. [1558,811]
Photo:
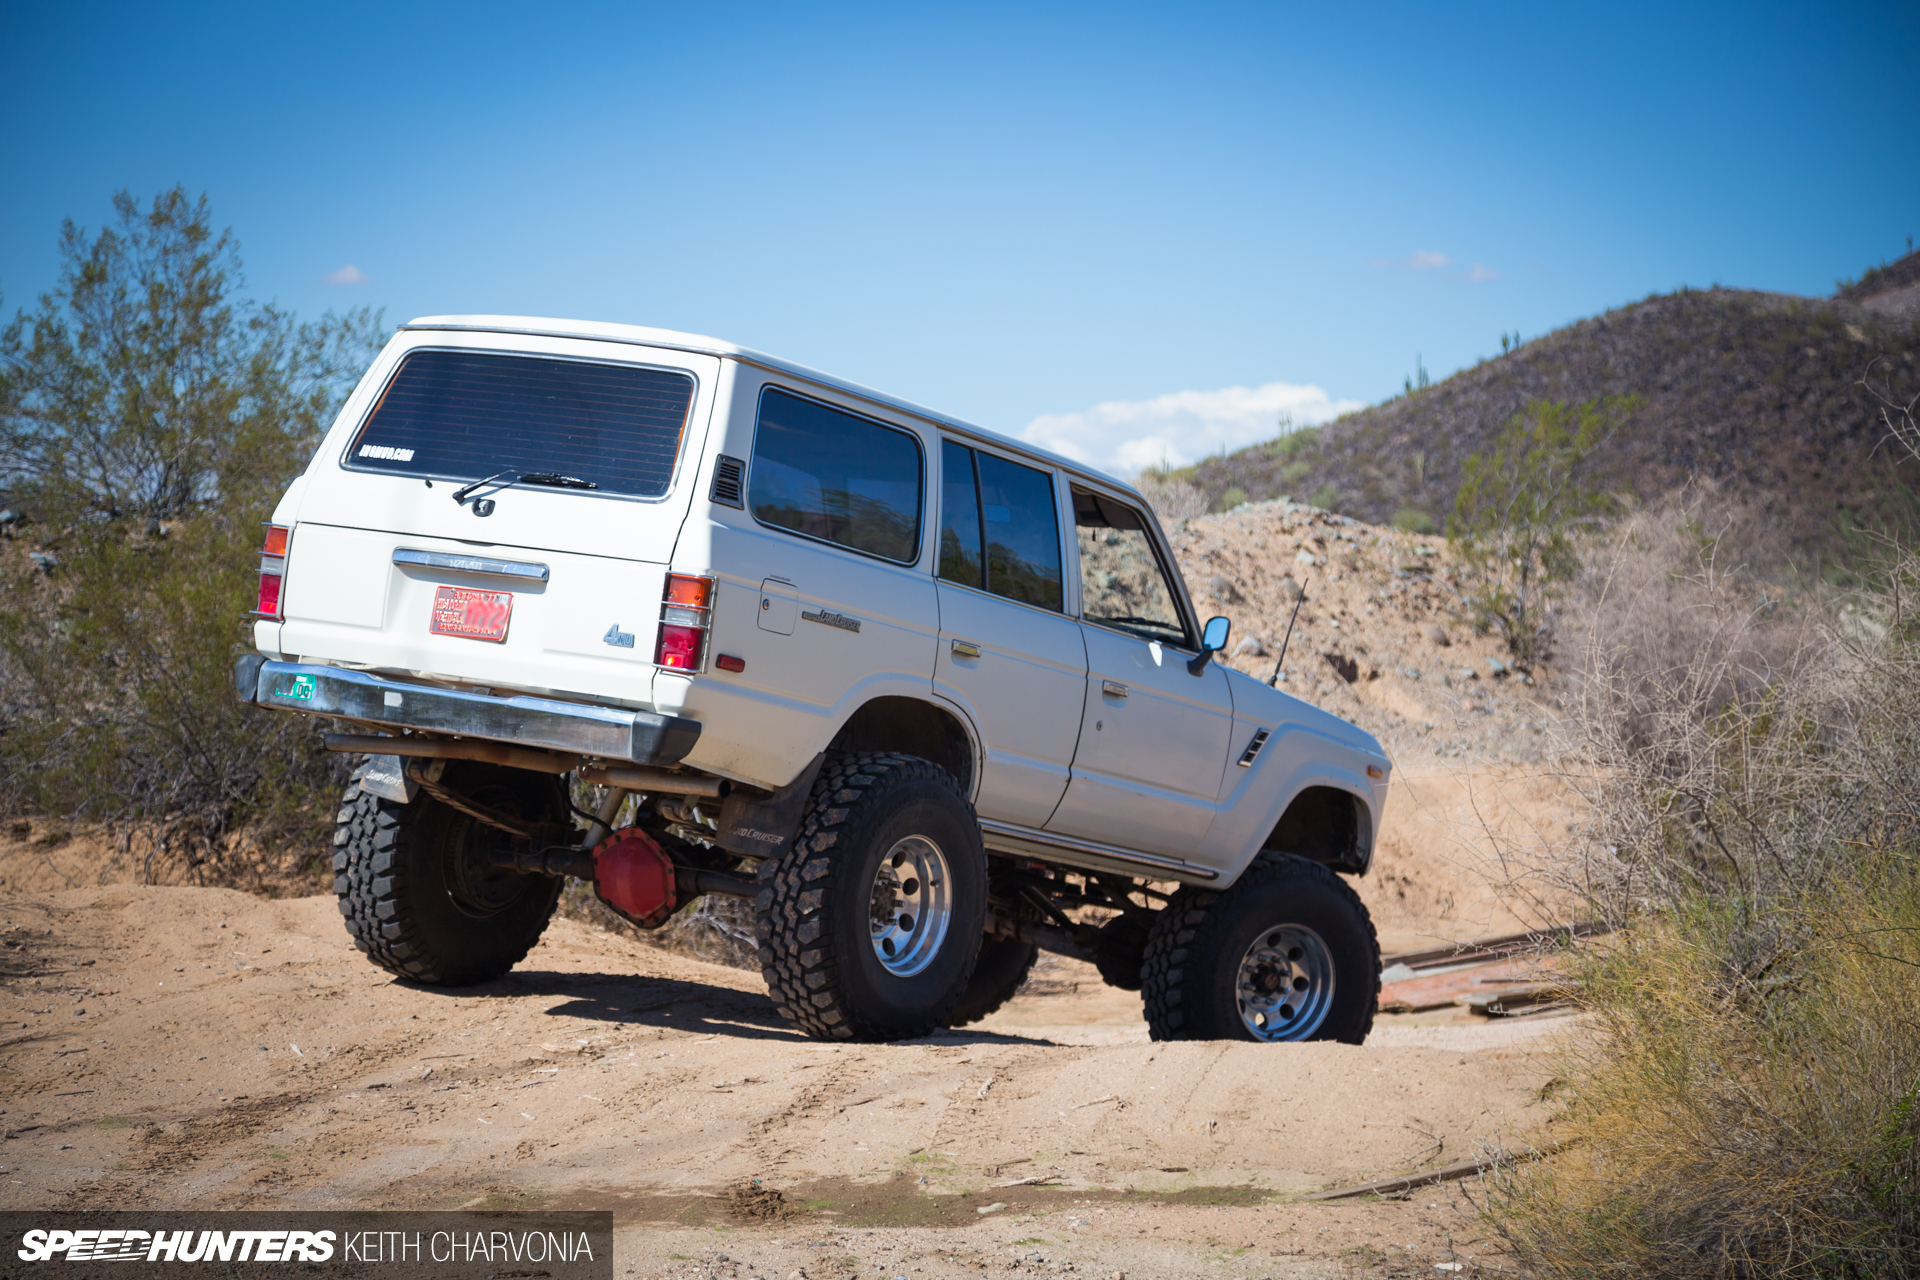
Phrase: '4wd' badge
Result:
[617,638]
[302,687]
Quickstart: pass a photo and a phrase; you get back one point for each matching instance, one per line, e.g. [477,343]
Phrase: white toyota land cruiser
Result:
[923,693]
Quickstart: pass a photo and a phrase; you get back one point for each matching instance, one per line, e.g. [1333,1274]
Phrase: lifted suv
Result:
[931,698]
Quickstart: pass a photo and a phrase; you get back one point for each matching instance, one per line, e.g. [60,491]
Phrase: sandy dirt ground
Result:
[173,1047]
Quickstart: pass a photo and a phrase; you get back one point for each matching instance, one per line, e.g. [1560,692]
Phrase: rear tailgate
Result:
[373,598]
[552,588]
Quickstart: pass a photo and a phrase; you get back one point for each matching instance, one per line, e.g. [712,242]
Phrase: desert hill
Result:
[1757,392]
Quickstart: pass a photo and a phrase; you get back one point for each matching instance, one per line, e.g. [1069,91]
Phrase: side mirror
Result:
[1212,640]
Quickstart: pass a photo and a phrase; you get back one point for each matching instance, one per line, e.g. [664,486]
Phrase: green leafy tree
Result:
[1518,510]
[141,387]
[149,420]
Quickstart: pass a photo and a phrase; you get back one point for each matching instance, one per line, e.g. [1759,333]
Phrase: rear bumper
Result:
[610,733]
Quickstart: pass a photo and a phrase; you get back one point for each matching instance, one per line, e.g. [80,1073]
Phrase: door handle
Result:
[1113,688]
[964,649]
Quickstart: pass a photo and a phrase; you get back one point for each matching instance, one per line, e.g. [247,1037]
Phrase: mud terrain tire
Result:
[1202,940]
[1000,971]
[820,903]
[415,900]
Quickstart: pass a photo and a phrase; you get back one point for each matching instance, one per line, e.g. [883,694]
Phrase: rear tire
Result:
[1288,953]
[870,924]
[415,887]
[998,975]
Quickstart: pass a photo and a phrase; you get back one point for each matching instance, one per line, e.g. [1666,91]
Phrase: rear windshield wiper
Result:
[525,477]
[556,479]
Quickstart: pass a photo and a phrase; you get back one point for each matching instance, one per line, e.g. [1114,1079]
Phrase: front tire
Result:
[417,889]
[1288,953]
[870,924]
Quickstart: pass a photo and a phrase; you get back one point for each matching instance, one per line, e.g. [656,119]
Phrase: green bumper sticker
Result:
[303,688]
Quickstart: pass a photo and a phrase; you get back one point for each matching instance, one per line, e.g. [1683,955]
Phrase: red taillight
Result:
[273,572]
[679,647]
[685,608]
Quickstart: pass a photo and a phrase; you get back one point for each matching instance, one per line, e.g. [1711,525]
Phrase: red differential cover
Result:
[634,876]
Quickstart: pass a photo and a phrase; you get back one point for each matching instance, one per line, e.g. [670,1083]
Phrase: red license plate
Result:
[474,615]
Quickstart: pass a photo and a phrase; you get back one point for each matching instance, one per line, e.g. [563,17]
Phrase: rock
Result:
[995,1207]
[1411,673]
[1289,589]
[1250,648]
[1498,668]
[1224,590]
[1305,557]
[1438,634]
[44,561]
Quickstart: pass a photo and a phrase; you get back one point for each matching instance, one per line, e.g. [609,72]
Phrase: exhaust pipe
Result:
[623,777]
[451,749]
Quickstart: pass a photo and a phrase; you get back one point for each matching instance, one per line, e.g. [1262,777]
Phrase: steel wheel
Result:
[911,906]
[1285,984]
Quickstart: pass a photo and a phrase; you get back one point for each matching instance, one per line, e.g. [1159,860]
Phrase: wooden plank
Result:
[1451,1173]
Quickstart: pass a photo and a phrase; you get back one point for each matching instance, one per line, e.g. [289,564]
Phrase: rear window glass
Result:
[464,415]
[837,477]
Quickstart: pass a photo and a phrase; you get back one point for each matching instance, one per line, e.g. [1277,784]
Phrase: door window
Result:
[1122,582]
[999,527]
[835,476]
[960,555]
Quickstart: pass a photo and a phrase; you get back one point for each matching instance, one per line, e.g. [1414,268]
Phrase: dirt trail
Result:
[180,1047]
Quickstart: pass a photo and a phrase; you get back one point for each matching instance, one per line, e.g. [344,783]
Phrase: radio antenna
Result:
[1275,677]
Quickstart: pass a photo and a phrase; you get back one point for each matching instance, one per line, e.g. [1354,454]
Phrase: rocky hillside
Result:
[1376,641]
[1757,392]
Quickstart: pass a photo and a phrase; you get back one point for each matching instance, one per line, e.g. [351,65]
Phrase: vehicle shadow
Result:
[700,1008]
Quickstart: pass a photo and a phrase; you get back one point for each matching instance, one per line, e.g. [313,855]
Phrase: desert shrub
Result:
[1173,499]
[1232,498]
[1326,497]
[1742,1114]
[149,420]
[1517,513]
[1741,1097]
[1413,520]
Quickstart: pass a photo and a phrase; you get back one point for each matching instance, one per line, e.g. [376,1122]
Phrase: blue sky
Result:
[1016,213]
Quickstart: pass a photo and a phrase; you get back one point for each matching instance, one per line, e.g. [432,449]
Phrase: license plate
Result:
[470,614]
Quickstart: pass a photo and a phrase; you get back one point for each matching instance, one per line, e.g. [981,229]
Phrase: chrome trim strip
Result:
[471,564]
[610,733]
[1068,849]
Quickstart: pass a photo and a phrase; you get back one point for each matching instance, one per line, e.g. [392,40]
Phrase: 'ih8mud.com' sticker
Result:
[473,615]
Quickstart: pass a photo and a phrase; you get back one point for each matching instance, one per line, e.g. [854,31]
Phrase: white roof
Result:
[547,326]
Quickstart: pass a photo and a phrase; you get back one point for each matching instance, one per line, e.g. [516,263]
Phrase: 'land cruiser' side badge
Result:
[617,638]
[828,618]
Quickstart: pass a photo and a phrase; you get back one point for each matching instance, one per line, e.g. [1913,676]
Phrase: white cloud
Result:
[348,274]
[1481,273]
[1124,437]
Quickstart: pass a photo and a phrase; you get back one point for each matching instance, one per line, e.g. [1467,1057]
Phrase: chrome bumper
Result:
[610,733]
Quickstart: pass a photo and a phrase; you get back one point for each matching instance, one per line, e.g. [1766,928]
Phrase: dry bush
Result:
[1729,1120]
[1706,705]
[1172,500]
[1743,1091]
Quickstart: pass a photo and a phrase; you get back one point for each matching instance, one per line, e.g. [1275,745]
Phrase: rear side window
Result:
[835,476]
[1007,508]
[467,415]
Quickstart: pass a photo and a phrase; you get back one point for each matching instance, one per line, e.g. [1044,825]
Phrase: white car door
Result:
[1154,733]
[1008,654]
